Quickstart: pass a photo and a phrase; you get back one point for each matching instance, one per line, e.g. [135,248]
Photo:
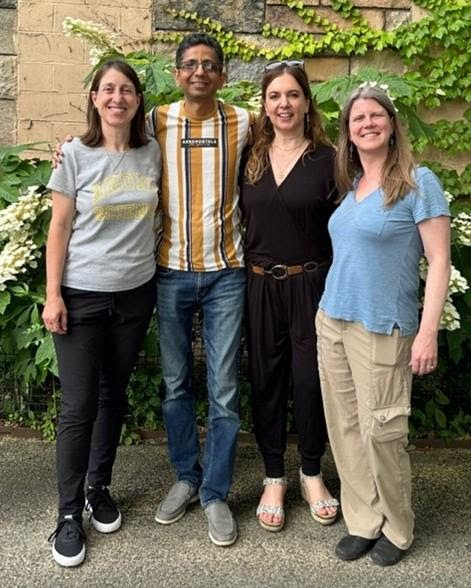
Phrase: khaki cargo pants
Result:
[366,383]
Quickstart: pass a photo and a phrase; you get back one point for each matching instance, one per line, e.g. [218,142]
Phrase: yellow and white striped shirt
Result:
[199,192]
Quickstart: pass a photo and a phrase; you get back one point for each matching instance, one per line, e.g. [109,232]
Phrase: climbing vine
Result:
[437,68]
[435,47]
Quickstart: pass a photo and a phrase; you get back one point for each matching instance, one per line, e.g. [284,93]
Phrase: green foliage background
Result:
[435,51]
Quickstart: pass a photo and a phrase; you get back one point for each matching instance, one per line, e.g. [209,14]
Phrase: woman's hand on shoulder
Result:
[55,316]
[424,353]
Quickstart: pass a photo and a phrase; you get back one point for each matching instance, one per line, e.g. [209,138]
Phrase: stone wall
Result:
[8,61]
[51,66]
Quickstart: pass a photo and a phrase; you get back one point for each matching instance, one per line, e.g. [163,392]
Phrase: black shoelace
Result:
[73,530]
[97,497]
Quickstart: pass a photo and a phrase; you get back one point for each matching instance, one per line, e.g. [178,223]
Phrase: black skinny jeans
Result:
[96,358]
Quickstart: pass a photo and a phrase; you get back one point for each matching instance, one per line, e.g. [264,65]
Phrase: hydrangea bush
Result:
[26,209]
[17,234]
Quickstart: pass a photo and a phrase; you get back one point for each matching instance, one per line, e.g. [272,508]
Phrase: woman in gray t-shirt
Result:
[100,293]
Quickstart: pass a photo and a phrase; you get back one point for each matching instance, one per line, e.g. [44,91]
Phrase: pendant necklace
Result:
[283,170]
[114,160]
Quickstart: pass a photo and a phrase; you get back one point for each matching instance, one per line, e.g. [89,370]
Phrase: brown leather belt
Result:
[283,272]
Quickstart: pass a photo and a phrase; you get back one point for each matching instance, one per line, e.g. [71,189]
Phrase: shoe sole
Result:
[271,528]
[68,562]
[356,555]
[351,558]
[385,564]
[176,518]
[107,527]
[324,520]
[222,543]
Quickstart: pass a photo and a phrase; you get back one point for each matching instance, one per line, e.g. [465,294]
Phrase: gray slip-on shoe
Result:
[221,524]
[174,505]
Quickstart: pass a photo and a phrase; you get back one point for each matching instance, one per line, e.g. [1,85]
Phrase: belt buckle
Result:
[310,266]
[279,272]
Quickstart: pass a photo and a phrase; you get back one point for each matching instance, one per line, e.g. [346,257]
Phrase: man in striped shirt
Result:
[200,266]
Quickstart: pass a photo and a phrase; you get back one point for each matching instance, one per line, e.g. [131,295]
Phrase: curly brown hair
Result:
[258,158]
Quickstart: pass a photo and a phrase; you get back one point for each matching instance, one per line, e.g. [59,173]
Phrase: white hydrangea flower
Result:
[449,197]
[458,283]
[96,34]
[423,267]
[96,54]
[17,231]
[450,319]
[462,225]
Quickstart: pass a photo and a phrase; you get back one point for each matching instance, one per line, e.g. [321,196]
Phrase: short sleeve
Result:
[63,177]
[429,200]
[151,117]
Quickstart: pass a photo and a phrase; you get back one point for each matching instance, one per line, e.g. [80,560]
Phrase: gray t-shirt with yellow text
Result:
[112,243]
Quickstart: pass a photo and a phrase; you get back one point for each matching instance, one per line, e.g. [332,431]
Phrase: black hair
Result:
[199,39]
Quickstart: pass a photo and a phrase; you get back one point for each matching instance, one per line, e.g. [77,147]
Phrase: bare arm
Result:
[435,235]
[55,312]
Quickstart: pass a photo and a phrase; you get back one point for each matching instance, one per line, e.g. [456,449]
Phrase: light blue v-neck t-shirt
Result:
[374,277]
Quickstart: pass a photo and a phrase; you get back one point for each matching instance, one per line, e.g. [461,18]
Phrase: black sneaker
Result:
[105,515]
[68,540]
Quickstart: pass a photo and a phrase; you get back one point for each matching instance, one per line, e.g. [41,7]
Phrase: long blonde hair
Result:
[396,177]
[258,159]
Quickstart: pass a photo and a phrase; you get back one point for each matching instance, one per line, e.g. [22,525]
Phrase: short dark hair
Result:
[199,39]
[93,136]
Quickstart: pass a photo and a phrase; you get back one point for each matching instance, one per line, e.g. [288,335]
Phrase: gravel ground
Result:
[146,554]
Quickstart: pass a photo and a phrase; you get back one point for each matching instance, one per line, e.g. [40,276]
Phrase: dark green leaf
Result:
[4,300]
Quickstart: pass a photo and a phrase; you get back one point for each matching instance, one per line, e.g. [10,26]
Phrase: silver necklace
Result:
[283,170]
[114,160]
[281,148]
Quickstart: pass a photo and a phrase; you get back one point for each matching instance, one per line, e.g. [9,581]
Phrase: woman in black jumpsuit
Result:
[287,197]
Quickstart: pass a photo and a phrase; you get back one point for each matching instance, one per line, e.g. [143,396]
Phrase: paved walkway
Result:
[145,554]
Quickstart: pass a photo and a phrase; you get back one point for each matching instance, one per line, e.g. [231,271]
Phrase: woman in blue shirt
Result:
[369,339]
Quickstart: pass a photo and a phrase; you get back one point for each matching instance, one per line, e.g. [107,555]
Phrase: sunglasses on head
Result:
[299,63]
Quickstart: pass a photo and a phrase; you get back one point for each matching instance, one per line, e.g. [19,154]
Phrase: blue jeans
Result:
[220,295]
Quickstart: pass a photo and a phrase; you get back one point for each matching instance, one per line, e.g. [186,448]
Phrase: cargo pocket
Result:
[391,375]
[390,423]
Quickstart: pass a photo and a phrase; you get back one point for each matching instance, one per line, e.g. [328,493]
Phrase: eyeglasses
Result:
[192,65]
[299,63]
